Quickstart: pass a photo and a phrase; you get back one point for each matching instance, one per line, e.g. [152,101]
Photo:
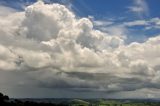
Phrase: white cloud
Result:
[6,10]
[140,8]
[153,23]
[102,23]
[62,51]
[136,23]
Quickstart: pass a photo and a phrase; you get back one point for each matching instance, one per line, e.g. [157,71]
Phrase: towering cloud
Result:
[61,50]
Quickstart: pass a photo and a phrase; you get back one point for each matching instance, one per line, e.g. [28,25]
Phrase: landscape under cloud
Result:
[48,46]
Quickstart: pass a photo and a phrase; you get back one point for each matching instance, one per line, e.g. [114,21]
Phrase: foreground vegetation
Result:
[5,101]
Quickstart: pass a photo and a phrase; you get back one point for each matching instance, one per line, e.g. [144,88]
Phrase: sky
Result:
[80,48]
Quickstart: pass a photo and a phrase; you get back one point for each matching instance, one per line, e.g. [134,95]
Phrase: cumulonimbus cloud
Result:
[64,51]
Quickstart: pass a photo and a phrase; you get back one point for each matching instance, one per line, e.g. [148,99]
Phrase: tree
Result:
[3,98]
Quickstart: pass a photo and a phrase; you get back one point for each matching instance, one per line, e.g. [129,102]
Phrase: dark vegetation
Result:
[5,101]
